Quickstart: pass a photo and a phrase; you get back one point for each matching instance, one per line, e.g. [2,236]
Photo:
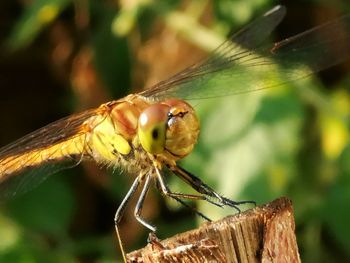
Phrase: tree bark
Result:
[262,234]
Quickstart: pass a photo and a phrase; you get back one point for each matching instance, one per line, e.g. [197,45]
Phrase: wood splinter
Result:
[262,234]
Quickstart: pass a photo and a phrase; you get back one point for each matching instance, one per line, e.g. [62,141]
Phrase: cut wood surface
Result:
[263,234]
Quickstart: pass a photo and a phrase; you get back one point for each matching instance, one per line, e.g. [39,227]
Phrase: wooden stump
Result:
[263,234]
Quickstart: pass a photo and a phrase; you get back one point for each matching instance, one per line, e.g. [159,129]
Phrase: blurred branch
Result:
[263,234]
[193,31]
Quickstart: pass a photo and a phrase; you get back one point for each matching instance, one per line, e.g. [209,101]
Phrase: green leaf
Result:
[111,52]
[34,19]
[336,207]
[48,208]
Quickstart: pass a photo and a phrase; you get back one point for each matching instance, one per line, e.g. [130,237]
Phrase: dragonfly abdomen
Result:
[14,164]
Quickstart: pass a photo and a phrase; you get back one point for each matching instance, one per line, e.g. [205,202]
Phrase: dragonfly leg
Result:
[155,241]
[121,209]
[204,189]
[194,210]
[140,203]
[166,191]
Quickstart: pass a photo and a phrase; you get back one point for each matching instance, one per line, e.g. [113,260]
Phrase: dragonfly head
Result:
[170,126]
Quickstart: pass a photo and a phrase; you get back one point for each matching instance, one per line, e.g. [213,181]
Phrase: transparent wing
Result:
[48,135]
[28,161]
[244,64]
[30,177]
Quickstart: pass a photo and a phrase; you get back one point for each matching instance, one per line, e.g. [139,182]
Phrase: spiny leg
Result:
[155,241]
[140,202]
[166,191]
[121,209]
[138,210]
[202,188]
[194,210]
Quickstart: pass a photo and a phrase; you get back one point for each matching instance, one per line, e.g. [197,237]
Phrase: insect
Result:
[148,132]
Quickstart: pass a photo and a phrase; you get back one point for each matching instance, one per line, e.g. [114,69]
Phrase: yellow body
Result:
[106,141]
[112,135]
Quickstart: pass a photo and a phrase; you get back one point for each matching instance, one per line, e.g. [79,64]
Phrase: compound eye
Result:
[152,128]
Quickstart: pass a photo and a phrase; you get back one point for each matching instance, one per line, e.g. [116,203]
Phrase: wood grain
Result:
[263,234]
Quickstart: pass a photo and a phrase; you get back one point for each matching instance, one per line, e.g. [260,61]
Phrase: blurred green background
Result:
[58,57]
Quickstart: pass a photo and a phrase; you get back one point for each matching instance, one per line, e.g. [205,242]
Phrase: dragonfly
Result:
[147,133]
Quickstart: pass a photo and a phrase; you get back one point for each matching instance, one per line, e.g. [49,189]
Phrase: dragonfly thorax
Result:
[129,130]
[169,127]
